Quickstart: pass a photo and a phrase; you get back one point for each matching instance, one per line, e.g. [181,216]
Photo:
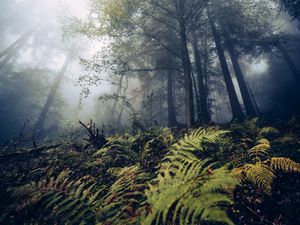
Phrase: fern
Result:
[284,164]
[61,199]
[263,171]
[123,202]
[261,175]
[186,193]
[187,190]
[194,141]
[117,154]
[259,151]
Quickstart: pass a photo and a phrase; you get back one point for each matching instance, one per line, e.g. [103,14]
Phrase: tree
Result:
[53,90]
[292,7]
[151,20]
[7,54]
[234,102]
[203,111]
[289,61]
[172,121]
[249,106]
[21,97]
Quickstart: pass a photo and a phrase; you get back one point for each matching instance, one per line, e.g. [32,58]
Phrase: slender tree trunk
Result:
[8,58]
[197,96]
[203,113]
[190,116]
[289,62]
[123,103]
[43,115]
[161,99]
[118,93]
[18,42]
[205,75]
[257,110]
[250,109]
[236,108]
[171,106]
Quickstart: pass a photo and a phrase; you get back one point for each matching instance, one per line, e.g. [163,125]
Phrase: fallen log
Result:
[29,151]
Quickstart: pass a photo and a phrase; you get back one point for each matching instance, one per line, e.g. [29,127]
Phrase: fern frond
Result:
[284,164]
[61,198]
[123,202]
[259,151]
[260,175]
[187,192]
[117,154]
[194,141]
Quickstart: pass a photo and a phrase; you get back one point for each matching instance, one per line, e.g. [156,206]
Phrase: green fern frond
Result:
[262,172]
[260,175]
[186,192]
[259,151]
[166,137]
[194,141]
[61,198]
[123,202]
[284,164]
[117,154]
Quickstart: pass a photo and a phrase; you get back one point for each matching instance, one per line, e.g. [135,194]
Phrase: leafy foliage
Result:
[151,177]
[61,199]
[194,141]
[123,202]
[262,171]
[117,154]
[186,189]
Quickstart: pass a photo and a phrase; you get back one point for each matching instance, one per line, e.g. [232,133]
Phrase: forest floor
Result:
[143,178]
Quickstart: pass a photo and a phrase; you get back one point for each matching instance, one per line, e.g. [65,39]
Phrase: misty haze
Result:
[150,112]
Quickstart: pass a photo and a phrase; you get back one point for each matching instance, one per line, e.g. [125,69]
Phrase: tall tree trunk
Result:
[197,96]
[250,109]
[10,53]
[8,58]
[18,42]
[43,115]
[236,108]
[190,116]
[118,93]
[170,99]
[205,74]
[289,62]
[203,113]
[123,103]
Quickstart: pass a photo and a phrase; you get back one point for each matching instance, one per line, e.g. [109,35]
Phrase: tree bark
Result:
[123,103]
[249,107]
[10,52]
[203,112]
[190,116]
[289,62]
[172,122]
[18,42]
[42,117]
[236,108]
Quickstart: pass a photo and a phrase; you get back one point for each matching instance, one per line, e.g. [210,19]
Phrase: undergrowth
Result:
[216,175]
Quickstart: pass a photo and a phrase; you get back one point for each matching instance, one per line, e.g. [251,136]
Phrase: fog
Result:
[144,112]
[46,49]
